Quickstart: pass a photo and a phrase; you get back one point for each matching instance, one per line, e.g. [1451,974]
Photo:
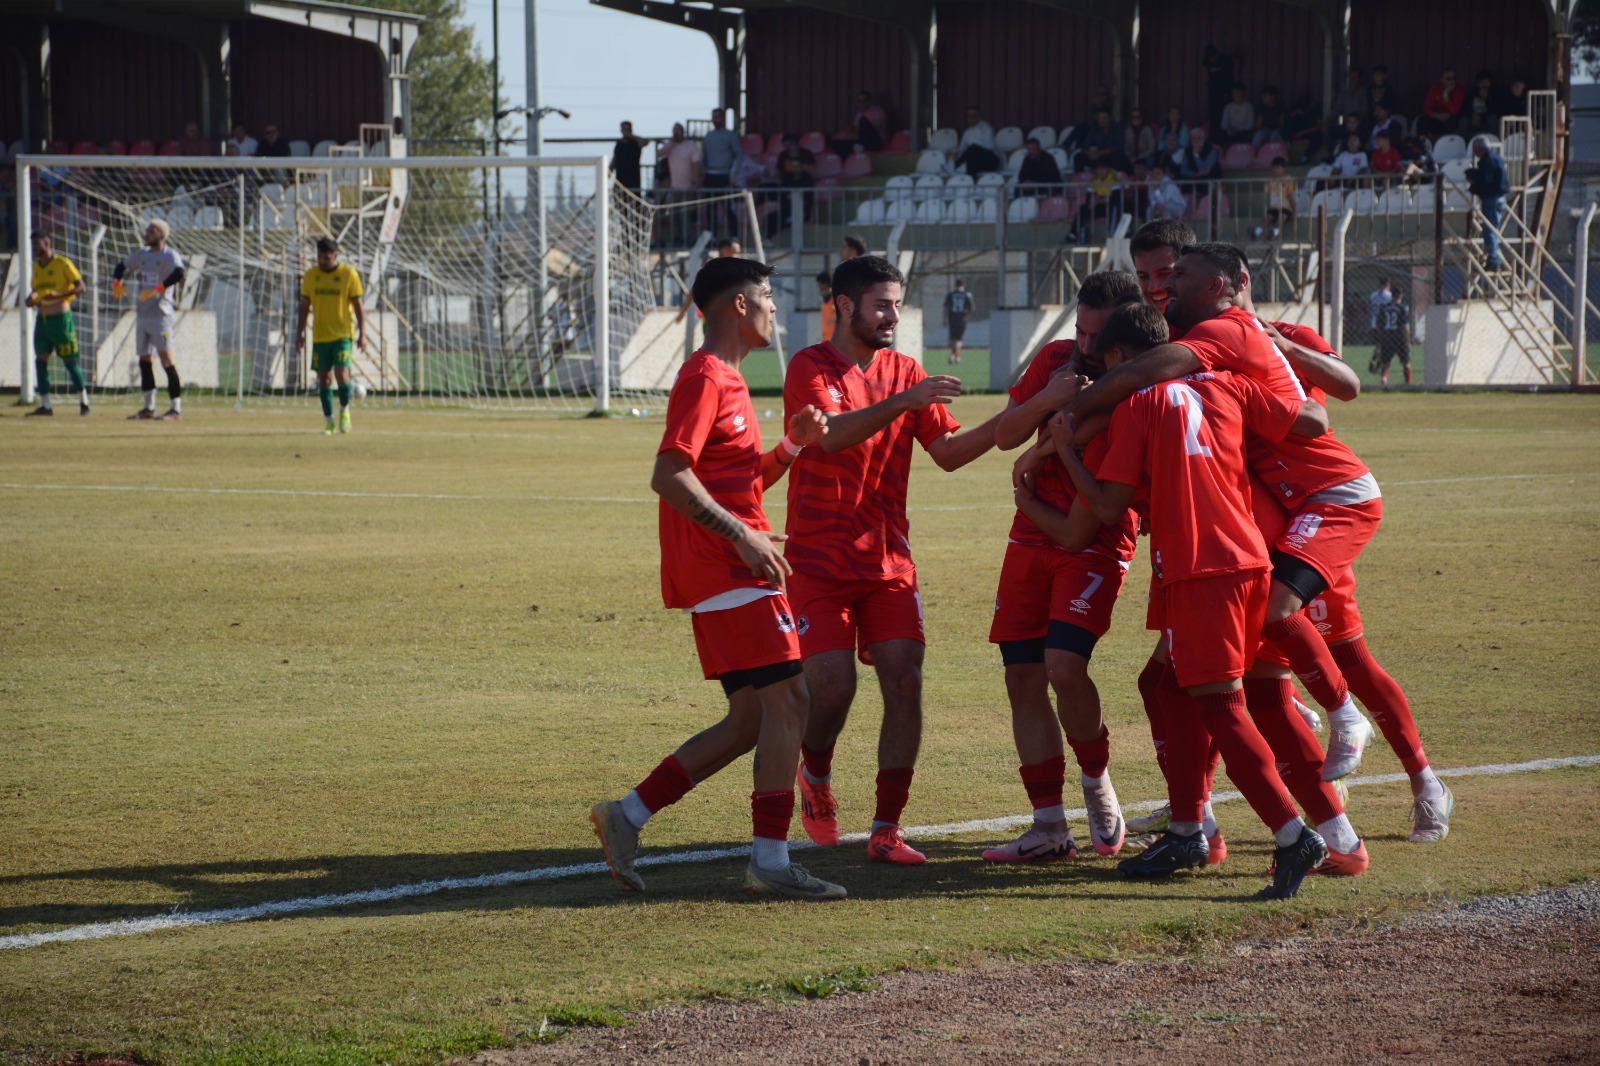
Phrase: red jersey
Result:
[710,419]
[1185,440]
[1051,483]
[847,509]
[1297,466]
[1307,337]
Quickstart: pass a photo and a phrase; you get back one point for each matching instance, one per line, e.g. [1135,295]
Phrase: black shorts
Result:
[958,327]
[1393,344]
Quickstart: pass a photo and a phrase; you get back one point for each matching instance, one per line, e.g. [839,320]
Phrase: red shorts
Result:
[1214,625]
[1039,585]
[1155,613]
[1334,613]
[1329,536]
[840,615]
[760,633]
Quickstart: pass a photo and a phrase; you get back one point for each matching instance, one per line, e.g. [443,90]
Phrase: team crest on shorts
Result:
[804,626]
[785,623]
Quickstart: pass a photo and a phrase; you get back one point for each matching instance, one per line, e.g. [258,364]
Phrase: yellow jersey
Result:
[330,293]
[58,275]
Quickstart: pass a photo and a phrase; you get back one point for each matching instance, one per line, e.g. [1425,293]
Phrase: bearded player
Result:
[719,563]
[855,586]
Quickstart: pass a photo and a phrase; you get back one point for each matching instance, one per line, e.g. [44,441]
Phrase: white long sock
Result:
[1288,833]
[877,825]
[1208,820]
[1185,829]
[84,398]
[1050,815]
[769,854]
[1340,834]
[634,810]
[177,403]
[44,401]
[813,778]
[1103,781]
[149,399]
[1346,714]
[1425,784]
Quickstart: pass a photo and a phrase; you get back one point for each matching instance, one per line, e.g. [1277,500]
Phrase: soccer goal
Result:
[515,283]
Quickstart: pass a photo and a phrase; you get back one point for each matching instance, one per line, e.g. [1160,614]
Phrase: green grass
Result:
[213,700]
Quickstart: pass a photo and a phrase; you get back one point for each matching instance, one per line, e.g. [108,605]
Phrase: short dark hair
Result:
[826,278]
[1228,259]
[1032,140]
[853,277]
[1279,161]
[722,276]
[1134,327]
[727,242]
[327,244]
[1107,288]
[1162,233]
[855,244]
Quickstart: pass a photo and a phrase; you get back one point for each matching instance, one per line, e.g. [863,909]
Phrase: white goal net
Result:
[480,290]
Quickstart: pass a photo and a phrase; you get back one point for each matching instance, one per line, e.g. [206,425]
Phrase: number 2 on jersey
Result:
[1181,395]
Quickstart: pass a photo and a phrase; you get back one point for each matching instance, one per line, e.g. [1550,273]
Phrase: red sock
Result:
[1043,780]
[894,788]
[1387,701]
[1213,760]
[1248,758]
[771,813]
[1093,755]
[667,784]
[1310,658]
[1149,683]
[1271,704]
[1187,744]
[818,764]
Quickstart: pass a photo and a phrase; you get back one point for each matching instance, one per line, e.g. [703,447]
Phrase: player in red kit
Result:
[719,563]
[1183,443]
[854,587]
[1054,605]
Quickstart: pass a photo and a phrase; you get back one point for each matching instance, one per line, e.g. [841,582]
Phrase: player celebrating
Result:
[1185,442]
[719,563]
[54,285]
[1054,605]
[855,586]
[331,290]
[158,270]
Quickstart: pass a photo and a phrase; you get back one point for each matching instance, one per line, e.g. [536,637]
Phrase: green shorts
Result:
[55,333]
[326,355]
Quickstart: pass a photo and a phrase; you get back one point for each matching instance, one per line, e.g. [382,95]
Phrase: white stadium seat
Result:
[299,149]
[1046,136]
[961,187]
[930,211]
[1062,162]
[900,211]
[944,140]
[929,187]
[871,212]
[1449,147]
[1014,164]
[898,188]
[1007,139]
[1023,209]
[931,161]
[991,186]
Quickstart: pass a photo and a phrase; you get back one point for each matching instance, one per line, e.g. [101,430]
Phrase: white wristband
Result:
[789,447]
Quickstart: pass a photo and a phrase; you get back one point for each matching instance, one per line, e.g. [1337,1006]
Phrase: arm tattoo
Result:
[713,517]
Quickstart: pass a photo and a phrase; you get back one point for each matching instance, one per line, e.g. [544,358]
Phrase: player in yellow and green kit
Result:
[330,292]
[56,283]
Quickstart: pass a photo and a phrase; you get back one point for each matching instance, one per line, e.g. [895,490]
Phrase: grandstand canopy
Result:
[797,65]
[104,71]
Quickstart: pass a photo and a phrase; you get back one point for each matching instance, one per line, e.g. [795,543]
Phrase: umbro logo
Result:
[836,395]
[1080,606]
[1295,538]
[738,423]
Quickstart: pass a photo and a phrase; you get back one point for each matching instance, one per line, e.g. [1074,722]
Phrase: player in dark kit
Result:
[1394,340]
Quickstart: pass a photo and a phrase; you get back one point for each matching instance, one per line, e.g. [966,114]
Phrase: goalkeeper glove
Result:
[155,290]
[116,289]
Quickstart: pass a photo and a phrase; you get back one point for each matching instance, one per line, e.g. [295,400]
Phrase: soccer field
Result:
[246,663]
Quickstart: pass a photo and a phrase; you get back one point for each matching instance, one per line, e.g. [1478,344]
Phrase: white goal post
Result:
[510,282]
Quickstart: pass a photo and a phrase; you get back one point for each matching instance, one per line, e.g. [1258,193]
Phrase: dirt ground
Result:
[1507,980]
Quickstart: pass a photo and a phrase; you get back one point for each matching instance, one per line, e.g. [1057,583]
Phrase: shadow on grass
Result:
[955,871]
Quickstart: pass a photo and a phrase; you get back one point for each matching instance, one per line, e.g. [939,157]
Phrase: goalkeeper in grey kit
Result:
[157,269]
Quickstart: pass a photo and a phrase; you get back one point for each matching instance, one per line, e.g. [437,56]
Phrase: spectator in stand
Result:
[1238,117]
[1304,123]
[272,146]
[852,247]
[720,152]
[1080,132]
[1219,83]
[1138,136]
[1485,106]
[1199,161]
[1103,144]
[871,124]
[194,142]
[1517,101]
[1105,201]
[1415,163]
[1176,126]
[1269,118]
[1170,155]
[1136,193]
[245,145]
[1441,112]
[1385,123]
[1039,175]
[1385,161]
[1380,91]
[976,148]
[1489,183]
[1352,124]
[1351,99]
[1280,199]
[682,157]
[1166,199]
[791,151]
[1352,162]
[793,174]
[625,158]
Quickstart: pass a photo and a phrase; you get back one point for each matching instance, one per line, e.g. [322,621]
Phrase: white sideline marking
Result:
[134,926]
[773,505]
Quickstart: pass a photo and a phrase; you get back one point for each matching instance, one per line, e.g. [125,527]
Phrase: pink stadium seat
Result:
[1238,157]
[752,144]
[813,142]
[116,148]
[171,148]
[86,148]
[843,135]
[1057,209]
[774,144]
[900,143]
[829,165]
[828,191]
[59,148]
[142,148]
[858,165]
[1270,151]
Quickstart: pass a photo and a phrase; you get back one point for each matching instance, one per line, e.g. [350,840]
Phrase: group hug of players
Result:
[1176,412]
